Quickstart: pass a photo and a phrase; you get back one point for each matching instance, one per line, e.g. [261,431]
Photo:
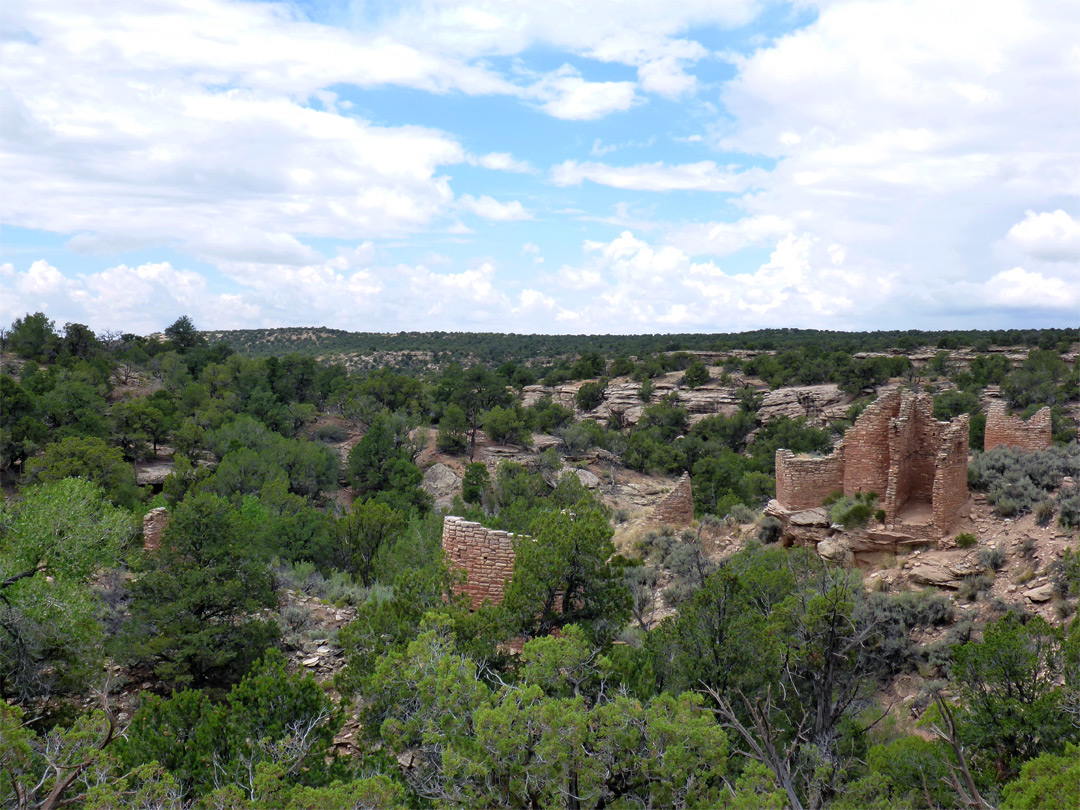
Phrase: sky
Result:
[589,166]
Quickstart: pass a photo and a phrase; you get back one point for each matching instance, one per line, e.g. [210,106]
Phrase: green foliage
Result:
[32,336]
[696,374]
[1016,481]
[270,717]
[855,511]
[183,334]
[381,465]
[549,416]
[22,431]
[541,742]
[475,483]
[53,541]
[360,538]
[1010,706]
[1047,782]
[453,431]
[1068,506]
[565,559]
[511,425]
[910,772]
[195,602]
[590,395]
[966,540]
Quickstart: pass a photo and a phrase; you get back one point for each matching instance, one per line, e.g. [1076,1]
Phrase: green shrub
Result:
[1068,504]
[741,513]
[973,587]
[590,395]
[1015,481]
[770,530]
[1044,512]
[993,558]
[854,512]
[331,433]
[966,540]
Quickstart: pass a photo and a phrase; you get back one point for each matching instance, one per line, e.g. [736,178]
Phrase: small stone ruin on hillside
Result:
[1002,429]
[154,523]
[677,507]
[915,464]
[485,555]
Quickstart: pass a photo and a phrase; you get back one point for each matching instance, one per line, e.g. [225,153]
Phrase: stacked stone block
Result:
[1012,431]
[153,526]
[485,555]
[677,508]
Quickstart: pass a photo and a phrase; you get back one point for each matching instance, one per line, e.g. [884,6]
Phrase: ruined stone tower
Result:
[916,465]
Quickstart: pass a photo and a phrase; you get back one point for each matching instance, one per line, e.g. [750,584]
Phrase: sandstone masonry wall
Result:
[153,526]
[804,482]
[1012,431]
[950,490]
[485,555]
[677,508]
[866,447]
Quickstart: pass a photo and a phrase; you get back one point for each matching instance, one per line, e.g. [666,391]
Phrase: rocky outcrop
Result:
[817,403]
[442,484]
[942,569]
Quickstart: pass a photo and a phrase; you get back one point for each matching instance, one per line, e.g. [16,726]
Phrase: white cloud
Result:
[906,131]
[139,299]
[1020,289]
[503,162]
[565,94]
[703,176]
[492,209]
[723,238]
[1051,235]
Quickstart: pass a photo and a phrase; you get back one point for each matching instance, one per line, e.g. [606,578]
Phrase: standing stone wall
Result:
[677,508]
[153,526]
[1012,431]
[866,447]
[950,490]
[485,555]
[804,482]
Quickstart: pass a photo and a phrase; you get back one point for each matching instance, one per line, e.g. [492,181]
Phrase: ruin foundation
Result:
[915,464]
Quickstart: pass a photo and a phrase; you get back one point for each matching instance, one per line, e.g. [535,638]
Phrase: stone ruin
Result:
[153,526]
[915,464]
[485,555]
[1012,431]
[677,507]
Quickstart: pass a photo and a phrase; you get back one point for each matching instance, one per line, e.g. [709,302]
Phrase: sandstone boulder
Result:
[442,484]
[1043,593]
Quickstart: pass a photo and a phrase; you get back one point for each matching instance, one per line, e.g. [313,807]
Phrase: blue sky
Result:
[588,167]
